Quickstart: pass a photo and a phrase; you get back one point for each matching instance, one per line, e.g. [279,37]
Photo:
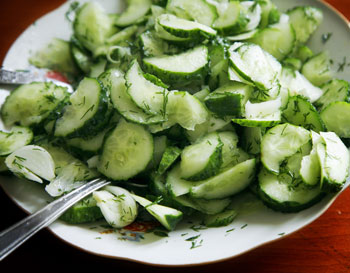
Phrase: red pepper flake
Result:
[56,76]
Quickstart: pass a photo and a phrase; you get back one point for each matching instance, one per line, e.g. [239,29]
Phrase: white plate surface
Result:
[255,225]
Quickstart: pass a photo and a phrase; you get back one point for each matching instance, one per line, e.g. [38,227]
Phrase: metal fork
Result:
[17,234]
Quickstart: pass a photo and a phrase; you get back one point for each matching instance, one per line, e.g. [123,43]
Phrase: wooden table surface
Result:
[322,247]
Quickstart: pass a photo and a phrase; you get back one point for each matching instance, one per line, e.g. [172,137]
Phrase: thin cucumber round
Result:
[18,137]
[134,12]
[334,90]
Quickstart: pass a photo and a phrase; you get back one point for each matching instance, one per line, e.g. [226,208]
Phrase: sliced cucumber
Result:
[87,112]
[175,185]
[148,96]
[160,146]
[293,63]
[334,160]
[197,10]
[230,152]
[134,12]
[297,84]
[334,90]
[18,137]
[126,151]
[202,159]
[233,20]
[253,13]
[227,183]
[187,67]
[243,36]
[336,117]
[255,65]
[278,39]
[305,20]
[279,193]
[153,46]
[114,81]
[84,211]
[220,219]
[81,58]
[167,216]
[31,162]
[120,38]
[318,69]
[229,99]
[269,13]
[281,142]
[251,140]
[92,25]
[117,205]
[31,104]
[303,53]
[184,28]
[169,157]
[301,112]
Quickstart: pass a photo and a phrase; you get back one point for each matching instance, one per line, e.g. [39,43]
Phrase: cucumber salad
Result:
[182,105]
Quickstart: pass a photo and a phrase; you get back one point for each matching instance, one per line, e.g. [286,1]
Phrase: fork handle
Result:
[17,234]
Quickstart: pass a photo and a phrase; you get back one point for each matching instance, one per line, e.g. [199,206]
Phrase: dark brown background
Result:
[321,247]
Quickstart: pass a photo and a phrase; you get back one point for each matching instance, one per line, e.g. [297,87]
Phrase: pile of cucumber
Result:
[183,105]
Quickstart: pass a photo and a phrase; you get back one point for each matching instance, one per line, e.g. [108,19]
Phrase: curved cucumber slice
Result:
[279,193]
[182,68]
[254,65]
[334,90]
[281,142]
[126,152]
[318,69]
[134,12]
[220,219]
[251,139]
[170,155]
[184,28]
[301,112]
[226,183]
[31,162]
[202,159]
[175,184]
[17,138]
[86,113]
[31,104]
[336,117]
[197,10]
[334,160]
[148,96]
[114,80]
[305,20]
[167,216]
[253,13]
[277,39]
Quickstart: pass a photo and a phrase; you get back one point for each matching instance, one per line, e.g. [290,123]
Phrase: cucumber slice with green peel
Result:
[243,36]
[336,117]
[163,34]
[175,185]
[281,142]
[121,37]
[114,81]
[170,155]
[303,53]
[229,99]
[262,114]
[153,46]
[251,140]
[318,69]
[254,65]
[84,211]
[184,28]
[202,94]
[279,193]
[334,160]
[253,13]
[227,183]
[31,162]
[269,13]
[127,151]
[148,96]
[293,63]
[187,67]
[56,55]
[160,146]
[197,10]
[334,90]
[278,39]
[233,20]
[134,12]
[18,137]
[301,112]
[82,60]
[235,77]
[305,20]
[205,206]
[220,219]
[229,149]
[30,104]
[117,205]
[167,216]
[202,159]
[297,84]
[87,112]
[92,26]
[310,170]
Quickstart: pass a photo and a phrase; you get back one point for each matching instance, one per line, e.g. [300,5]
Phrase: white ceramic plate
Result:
[189,244]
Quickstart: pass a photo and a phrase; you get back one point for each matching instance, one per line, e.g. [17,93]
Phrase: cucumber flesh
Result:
[334,90]
[134,12]
[220,219]
[336,118]
[18,137]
